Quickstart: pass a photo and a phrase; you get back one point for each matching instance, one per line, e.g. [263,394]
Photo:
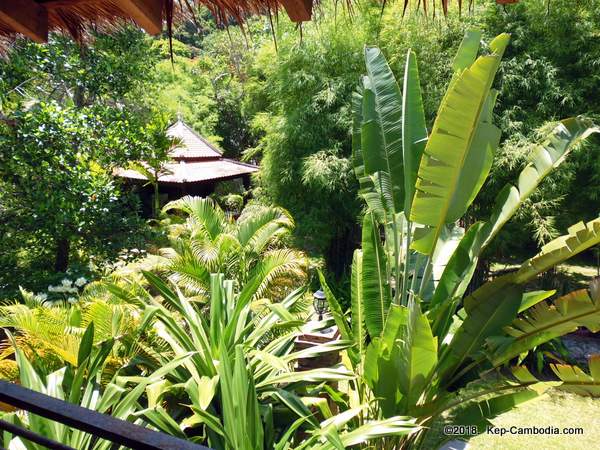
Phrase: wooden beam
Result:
[298,10]
[147,14]
[26,17]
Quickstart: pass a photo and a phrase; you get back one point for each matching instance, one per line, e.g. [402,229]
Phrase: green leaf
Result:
[394,426]
[294,403]
[577,381]
[382,115]
[544,322]
[357,302]
[493,306]
[479,413]
[87,342]
[581,237]
[418,355]
[381,371]
[533,298]
[458,272]
[414,130]
[396,320]
[309,376]
[455,154]
[548,155]
[467,51]
[572,378]
[357,157]
[159,418]
[375,284]
[336,310]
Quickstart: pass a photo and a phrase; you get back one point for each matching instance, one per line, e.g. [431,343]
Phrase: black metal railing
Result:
[99,425]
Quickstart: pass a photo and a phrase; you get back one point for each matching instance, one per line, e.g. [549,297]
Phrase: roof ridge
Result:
[197,135]
[241,163]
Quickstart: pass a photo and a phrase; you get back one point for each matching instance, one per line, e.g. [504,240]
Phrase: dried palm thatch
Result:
[35,18]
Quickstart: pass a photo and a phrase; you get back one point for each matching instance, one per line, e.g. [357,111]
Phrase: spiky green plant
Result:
[81,385]
[239,388]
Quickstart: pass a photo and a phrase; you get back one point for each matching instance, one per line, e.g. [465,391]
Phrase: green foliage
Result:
[80,385]
[70,115]
[251,249]
[305,146]
[422,345]
[57,190]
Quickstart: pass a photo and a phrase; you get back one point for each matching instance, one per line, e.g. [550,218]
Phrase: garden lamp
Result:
[320,303]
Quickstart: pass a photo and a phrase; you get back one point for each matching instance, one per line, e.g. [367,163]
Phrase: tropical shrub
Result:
[239,338]
[418,336]
[50,333]
[81,384]
[250,249]
[236,387]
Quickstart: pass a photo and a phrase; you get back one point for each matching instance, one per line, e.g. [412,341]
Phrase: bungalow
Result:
[195,168]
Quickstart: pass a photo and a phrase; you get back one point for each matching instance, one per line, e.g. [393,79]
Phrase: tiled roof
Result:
[195,172]
[193,146]
[195,162]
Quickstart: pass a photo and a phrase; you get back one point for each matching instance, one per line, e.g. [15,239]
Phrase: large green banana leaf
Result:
[572,378]
[375,285]
[478,413]
[493,306]
[414,130]
[364,181]
[418,355]
[544,322]
[381,140]
[549,154]
[581,237]
[467,51]
[459,147]
[357,302]
[496,303]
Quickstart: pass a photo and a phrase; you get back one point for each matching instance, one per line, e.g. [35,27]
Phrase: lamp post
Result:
[320,303]
[313,338]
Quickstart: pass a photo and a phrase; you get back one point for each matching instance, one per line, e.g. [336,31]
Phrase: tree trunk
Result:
[63,247]
[156,206]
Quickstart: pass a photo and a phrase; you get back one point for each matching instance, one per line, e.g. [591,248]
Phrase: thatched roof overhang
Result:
[36,18]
